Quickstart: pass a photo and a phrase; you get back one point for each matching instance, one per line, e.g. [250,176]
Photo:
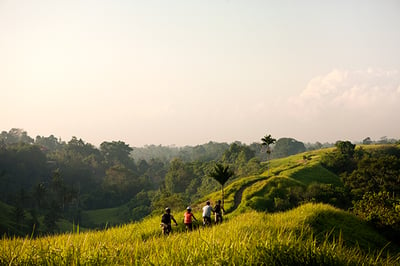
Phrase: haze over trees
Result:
[50,178]
[288,146]
[46,180]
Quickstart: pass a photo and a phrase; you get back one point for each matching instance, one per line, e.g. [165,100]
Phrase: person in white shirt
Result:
[207,213]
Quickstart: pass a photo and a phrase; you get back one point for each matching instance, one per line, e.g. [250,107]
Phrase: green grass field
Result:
[311,234]
[251,238]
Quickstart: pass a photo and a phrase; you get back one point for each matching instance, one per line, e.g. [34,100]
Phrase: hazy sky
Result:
[189,72]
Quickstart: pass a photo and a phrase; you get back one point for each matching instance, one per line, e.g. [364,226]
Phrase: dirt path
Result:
[239,194]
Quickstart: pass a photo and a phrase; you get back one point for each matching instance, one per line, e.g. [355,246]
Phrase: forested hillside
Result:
[45,180]
[48,184]
[284,229]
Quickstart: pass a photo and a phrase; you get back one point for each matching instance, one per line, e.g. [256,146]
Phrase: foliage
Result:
[373,183]
[14,136]
[252,238]
[179,176]
[235,151]
[288,146]
[204,153]
[266,141]
[107,177]
[117,152]
[374,173]
[326,193]
[221,173]
[309,234]
[341,160]
[47,181]
[382,210]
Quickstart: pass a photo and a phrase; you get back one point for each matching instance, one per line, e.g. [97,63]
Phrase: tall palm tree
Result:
[266,141]
[221,173]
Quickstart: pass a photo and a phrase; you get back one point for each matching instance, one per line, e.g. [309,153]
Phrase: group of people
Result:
[167,218]
[217,210]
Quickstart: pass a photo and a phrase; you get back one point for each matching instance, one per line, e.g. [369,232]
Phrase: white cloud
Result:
[350,92]
[343,105]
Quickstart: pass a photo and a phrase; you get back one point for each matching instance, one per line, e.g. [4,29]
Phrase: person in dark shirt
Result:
[218,210]
[166,220]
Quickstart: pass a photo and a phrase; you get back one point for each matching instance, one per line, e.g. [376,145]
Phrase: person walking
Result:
[166,221]
[188,219]
[207,214]
[218,210]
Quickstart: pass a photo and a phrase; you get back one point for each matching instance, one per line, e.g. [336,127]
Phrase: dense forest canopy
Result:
[50,178]
[45,179]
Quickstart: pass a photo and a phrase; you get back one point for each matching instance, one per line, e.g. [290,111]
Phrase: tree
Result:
[122,182]
[367,141]
[266,141]
[117,152]
[381,209]
[50,143]
[342,159]
[288,146]
[179,176]
[59,189]
[346,148]
[39,194]
[19,216]
[375,172]
[238,155]
[16,135]
[221,173]
[51,217]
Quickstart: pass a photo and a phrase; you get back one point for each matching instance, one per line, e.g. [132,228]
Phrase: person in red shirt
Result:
[188,219]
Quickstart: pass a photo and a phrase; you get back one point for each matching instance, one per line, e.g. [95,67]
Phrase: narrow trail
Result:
[239,193]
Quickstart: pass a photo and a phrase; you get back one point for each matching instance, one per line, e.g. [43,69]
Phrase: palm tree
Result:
[221,173]
[266,141]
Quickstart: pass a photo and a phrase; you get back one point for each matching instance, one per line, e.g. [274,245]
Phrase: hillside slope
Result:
[312,234]
[251,238]
[276,188]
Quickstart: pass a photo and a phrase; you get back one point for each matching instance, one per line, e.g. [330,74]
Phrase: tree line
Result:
[46,179]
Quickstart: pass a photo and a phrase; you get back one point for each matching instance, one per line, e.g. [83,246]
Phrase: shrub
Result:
[381,210]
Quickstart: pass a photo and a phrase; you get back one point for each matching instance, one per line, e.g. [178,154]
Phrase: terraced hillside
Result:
[260,191]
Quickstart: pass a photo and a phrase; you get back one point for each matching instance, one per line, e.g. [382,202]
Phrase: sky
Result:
[192,71]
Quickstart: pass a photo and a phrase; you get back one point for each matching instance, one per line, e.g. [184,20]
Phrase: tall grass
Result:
[312,234]
[250,238]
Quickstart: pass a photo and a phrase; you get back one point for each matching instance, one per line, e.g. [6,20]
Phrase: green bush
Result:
[381,209]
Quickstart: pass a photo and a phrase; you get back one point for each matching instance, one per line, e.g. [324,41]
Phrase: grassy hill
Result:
[260,191]
[103,218]
[315,234]
[311,234]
